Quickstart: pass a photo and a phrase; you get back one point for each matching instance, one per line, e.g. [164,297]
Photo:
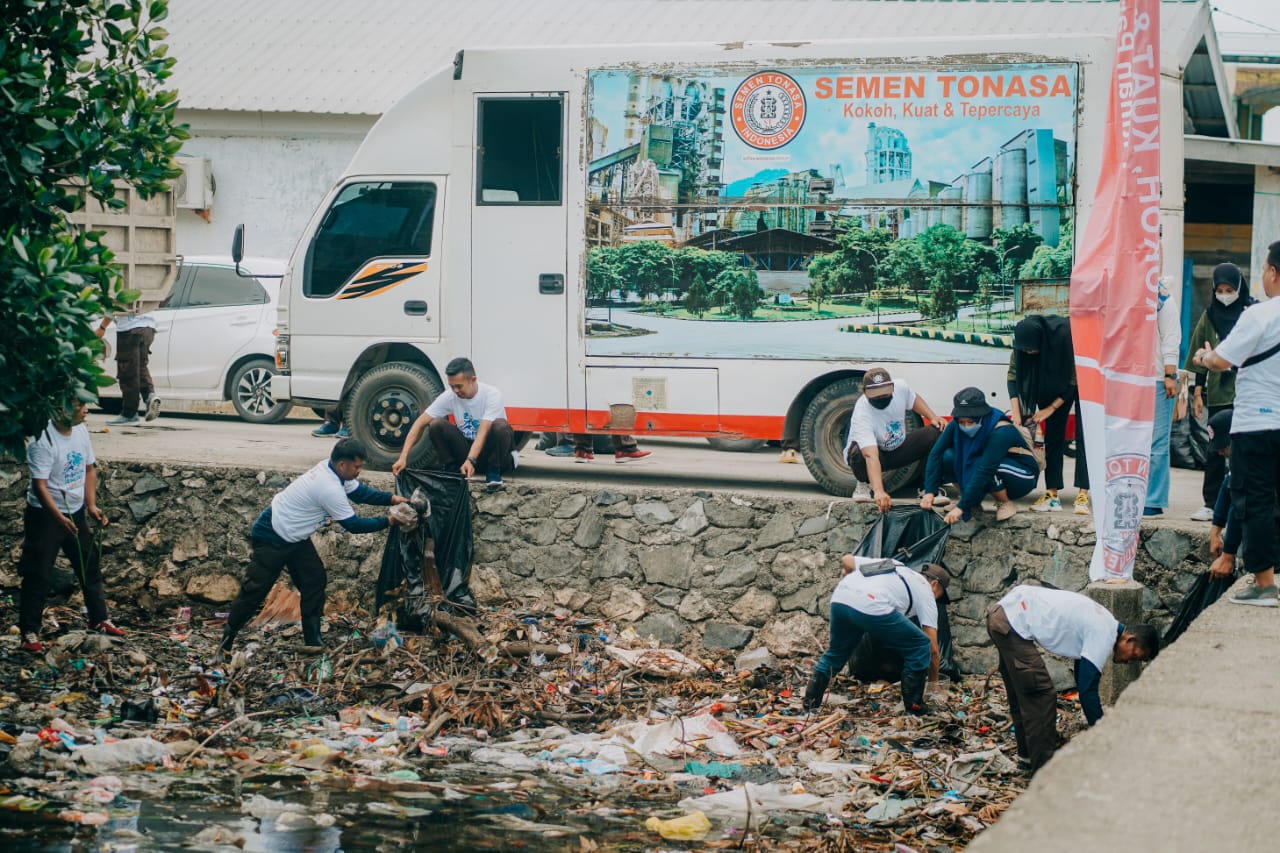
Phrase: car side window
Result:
[213,287]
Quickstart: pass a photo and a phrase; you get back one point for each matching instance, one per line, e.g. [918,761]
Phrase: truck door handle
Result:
[551,283]
[415,308]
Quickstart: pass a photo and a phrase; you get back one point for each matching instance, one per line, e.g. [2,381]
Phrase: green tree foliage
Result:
[873,301]
[698,299]
[603,275]
[905,267]
[80,84]
[1015,245]
[651,269]
[741,289]
[1051,261]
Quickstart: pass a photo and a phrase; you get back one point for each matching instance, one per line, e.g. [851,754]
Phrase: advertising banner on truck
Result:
[865,212]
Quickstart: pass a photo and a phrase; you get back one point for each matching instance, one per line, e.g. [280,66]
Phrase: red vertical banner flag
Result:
[1115,292]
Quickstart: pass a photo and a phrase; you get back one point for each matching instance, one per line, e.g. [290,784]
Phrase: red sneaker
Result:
[627,455]
[31,643]
[580,455]
[108,628]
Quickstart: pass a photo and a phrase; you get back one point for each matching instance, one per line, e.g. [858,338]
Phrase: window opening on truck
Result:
[369,220]
[518,161]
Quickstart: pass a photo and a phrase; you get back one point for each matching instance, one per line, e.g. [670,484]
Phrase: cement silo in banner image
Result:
[825,212]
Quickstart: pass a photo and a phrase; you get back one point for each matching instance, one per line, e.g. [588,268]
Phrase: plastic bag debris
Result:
[732,806]
[718,769]
[104,757]
[405,516]
[690,827]
[890,809]
[664,662]
[680,736]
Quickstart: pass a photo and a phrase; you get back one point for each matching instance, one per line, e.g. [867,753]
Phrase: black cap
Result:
[970,403]
[1227,273]
[1220,431]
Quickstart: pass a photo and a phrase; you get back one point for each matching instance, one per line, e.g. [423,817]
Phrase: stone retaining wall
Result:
[688,567]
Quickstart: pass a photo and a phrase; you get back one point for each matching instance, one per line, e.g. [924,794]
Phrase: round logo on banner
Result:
[768,110]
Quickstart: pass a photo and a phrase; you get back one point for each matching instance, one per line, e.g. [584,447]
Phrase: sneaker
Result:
[581,454]
[493,480]
[789,456]
[1259,596]
[560,451]
[1083,507]
[326,430]
[1048,502]
[343,432]
[31,643]
[132,420]
[106,626]
[621,456]
[862,494]
[1204,513]
[1006,510]
[1152,511]
[153,408]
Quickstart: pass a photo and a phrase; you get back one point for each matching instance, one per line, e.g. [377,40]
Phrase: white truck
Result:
[548,212]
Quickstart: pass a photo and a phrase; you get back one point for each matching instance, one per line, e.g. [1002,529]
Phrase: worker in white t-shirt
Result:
[134,335]
[1254,347]
[478,438]
[879,440]
[63,491]
[879,597]
[1068,624]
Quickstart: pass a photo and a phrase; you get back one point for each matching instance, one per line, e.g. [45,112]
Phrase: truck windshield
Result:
[369,220]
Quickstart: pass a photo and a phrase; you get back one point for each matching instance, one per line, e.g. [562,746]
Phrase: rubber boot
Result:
[814,692]
[223,653]
[913,692]
[311,634]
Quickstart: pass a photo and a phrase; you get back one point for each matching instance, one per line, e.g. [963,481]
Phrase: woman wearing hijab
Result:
[1217,390]
[1042,389]
[984,453]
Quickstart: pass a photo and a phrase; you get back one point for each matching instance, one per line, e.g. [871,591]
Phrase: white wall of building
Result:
[270,172]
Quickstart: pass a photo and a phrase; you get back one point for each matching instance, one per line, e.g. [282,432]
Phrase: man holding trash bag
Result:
[879,597]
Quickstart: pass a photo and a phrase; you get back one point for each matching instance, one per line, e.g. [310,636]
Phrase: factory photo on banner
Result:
[821,212]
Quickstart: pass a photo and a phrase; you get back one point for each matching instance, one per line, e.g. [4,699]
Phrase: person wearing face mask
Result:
[1042,389]
[878,437]
[984,452]
[1217,391]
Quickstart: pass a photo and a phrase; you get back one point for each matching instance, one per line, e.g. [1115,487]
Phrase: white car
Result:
[215,338]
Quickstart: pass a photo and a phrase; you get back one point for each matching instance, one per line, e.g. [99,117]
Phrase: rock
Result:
[148,539]
[963,531]
[755,607]
[623,605]
[570,598]
[814,526]
[1183,581]
[729,515]
[557,562]
[755,659]
[970,635]
[571,506]
[608,498]
[494,531]
[805,599]
[658,536]
[486,585]
[778,531]
[842,540]
[695,607]
[625,529]
[1151,600]
[1066,570]
[144,508]
[542,532]
[499,503]
[1088,536]
[791,635]
[83,642]
[191,544]
[615,561]
[652,512]
[694,520]
[195,483]
[988,574]
[671,565]
[792,570]
[740,573]
[719,546]
[972,607]
[1168,547]
[149,484]
[667,628]
[1053,533]
[977,660]
[276,481]
[669,598]
[590,532]
[1033,542]
[216,589]
[725,635]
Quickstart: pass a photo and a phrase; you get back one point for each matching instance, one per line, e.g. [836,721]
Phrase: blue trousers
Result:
[893,631]
[1162,425]
[1015,476]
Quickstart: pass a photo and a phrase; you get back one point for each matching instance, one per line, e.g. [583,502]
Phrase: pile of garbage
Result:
[542,728]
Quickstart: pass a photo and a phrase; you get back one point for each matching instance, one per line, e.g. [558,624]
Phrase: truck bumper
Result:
[280,387]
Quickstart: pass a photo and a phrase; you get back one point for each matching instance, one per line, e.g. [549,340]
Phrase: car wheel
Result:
[251,393]
[383,405]
[737,445]
[823,432]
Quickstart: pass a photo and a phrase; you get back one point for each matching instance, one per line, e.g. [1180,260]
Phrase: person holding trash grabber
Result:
[62,494]
[281,538]
[879,597]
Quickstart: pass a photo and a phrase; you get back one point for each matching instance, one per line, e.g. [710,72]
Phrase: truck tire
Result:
[737,445]
[250,388]
[382,406]
[824,430]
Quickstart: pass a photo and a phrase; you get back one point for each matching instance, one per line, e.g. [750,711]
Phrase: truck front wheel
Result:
[382,406]
[824,430]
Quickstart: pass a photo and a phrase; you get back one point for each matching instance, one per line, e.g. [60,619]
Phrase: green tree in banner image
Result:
[905,267]
[742,289]
[698,299]
[1051,261]
[603,275]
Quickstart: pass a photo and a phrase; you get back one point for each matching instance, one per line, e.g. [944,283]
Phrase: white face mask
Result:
[1227,298]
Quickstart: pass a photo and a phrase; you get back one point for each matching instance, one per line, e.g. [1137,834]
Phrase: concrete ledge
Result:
[1185,761]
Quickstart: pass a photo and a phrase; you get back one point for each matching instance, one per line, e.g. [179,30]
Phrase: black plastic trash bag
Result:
[1189,443]
[449,528]
[1204,592]
[914,537]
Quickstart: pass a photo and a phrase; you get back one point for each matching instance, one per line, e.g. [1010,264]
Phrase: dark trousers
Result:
[1033,701]
[453,448]
[1215,467]
[1255,475]
[914,447]
[133,368]
[1055,445]
[582,441]
[1016,476]
[306,570]
[892,631]
[43,538]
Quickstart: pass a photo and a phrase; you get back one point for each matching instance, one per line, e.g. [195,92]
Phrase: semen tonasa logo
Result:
[379,277]
[768,110]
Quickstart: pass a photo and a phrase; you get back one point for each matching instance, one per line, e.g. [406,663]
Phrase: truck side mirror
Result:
[237,245]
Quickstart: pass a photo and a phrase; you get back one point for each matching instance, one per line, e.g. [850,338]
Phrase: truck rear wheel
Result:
[824,430]
[382,406]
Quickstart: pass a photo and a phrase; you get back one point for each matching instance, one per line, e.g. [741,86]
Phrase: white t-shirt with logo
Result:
[308,501]
[881,595]
[1257,404]
[62,461]
[1065,623]
[885,428]
[486,405]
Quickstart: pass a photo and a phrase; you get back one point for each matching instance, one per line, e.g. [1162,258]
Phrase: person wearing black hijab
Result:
[1042,389]
[1217,391]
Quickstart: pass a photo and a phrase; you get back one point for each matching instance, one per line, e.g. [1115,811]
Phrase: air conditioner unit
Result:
[193,189]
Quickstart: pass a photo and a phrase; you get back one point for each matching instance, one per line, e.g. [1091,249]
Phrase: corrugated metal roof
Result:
[359,56]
